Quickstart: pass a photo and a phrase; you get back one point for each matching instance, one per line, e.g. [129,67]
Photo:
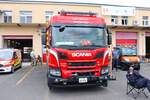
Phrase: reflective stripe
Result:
[55,55]
[105,54]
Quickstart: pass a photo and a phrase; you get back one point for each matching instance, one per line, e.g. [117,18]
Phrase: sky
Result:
[138,3]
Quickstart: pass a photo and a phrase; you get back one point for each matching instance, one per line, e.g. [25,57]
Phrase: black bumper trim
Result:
[73,81]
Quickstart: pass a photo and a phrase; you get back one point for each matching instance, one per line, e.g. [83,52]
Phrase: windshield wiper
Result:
[95,45]
[66,46]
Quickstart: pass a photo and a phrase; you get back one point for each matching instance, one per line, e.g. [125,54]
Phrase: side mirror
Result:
[62,28]
[109,37]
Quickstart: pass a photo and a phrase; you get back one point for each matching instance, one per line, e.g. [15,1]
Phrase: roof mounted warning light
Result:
[63,13]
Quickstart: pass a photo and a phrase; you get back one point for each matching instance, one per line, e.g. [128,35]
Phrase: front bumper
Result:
[74,81]
[127,65]
[5,69]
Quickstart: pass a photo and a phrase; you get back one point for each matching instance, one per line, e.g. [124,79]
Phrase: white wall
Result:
[23,30]
[1,41]
[141,44]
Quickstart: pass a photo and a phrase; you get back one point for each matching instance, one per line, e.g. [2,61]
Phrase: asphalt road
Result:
[29,83]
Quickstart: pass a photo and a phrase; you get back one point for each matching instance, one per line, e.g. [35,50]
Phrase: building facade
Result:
[22,24]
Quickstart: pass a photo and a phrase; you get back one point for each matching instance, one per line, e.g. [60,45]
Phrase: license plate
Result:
[83,80]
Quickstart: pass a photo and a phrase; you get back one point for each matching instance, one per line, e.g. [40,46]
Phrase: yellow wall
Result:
[38,17]
[38,10]
[23,30]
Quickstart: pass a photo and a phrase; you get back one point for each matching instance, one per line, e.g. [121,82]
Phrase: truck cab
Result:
[77,53]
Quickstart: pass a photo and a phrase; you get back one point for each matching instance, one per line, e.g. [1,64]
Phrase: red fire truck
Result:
[77,50]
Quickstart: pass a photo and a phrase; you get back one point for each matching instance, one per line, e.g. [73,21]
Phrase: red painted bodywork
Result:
[10,61]
[67,71]
[44,57]
[77,19]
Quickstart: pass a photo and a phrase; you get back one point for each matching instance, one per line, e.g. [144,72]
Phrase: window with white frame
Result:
[7,16]
[25,16]
[114,20]
[48,15]
[145,20]
[124,20]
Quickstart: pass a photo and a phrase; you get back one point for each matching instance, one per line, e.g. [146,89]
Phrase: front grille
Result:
[84,73]
[1,65]
[2,70]
[81,63]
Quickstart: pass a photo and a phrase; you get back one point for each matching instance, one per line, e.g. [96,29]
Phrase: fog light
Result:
[56,80]
[55,72]
[104,70]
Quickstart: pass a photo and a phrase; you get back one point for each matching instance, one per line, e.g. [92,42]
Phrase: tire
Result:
[138,67]
[105,83]
[123,68]
[20,65]
[50,87]
[12,69]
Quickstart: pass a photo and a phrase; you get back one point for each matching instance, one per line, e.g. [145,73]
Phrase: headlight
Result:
[126,59]
[138,59]
[55,72]
[104,70]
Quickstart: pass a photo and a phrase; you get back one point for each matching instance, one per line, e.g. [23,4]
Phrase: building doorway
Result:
[127,41]
[147,47]
[24,43]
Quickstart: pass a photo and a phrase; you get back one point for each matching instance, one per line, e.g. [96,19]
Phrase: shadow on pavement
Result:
[76,89]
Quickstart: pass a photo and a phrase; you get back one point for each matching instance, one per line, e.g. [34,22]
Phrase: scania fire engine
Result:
[77,50]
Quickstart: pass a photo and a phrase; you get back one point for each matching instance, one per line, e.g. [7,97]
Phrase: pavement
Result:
[29,83]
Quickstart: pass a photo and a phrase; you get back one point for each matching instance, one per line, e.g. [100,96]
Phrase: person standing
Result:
[115,58]
[111,74]
[33,58]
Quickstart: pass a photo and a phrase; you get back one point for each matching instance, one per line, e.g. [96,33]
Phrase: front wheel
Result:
[138,67]
[49,85]
[50,88]
[20,65]
[124,68]
[12,69]
[105,83]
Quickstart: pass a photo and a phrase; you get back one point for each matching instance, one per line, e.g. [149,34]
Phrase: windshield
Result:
[6,54]
[78,36]
[129,51]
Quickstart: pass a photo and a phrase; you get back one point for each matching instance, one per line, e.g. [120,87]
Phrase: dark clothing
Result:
[137,80]
[114,63]
[39,60]
[115,58]
[116,54]
[148,85]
